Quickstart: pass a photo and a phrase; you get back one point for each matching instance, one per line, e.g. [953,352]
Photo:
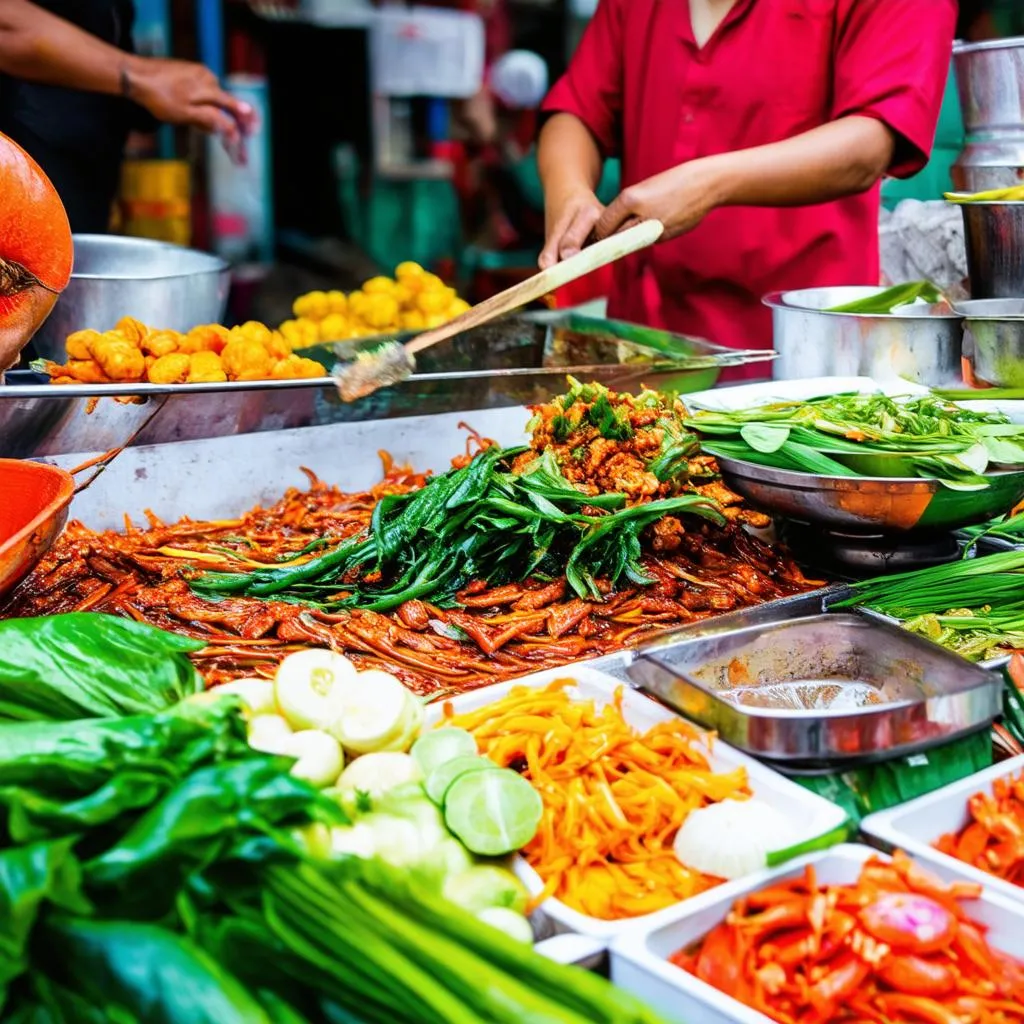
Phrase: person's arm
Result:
[585,108]
[570,164]
[838,159]
[890,66]
[40,47]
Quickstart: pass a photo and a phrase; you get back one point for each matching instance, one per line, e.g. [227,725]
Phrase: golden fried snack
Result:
[172,368]
[205,338]
[205,368]
[296,367]
[77,344]
[246,360]
[161,343]
[131,330]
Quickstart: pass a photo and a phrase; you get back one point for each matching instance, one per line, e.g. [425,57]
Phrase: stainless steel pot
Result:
[990,78]
[994,236]
[160,284]
[990,160]
[994,340]
[918,344]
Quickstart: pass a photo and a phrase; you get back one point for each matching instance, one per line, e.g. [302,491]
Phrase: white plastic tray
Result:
[639,962]
[814,814]
[914,826]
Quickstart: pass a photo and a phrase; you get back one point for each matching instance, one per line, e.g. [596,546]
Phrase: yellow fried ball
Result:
[206,368]
[312,305]
[381,312]
[378,286]
[457,308]
[334,328]
[413,320]
[408,269]
[301,333]
[172,368]
[337,302]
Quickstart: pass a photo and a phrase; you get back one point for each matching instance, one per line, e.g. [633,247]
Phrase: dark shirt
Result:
[78,138]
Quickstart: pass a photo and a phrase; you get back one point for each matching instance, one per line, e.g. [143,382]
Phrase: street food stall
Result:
[329,710]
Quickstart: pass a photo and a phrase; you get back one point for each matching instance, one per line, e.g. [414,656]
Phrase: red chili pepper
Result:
[915,976]
[828,994]
[908,1008]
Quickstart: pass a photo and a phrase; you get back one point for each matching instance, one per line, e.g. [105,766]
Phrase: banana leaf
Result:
[83,665]
[877,787]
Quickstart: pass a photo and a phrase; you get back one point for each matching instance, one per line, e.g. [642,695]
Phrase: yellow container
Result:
[156,200]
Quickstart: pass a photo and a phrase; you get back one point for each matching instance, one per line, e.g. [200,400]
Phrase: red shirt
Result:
[773,69]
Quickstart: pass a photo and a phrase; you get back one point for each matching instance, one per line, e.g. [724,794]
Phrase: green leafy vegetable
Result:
[867,435]
[83,665]
[478,522]
[891,299]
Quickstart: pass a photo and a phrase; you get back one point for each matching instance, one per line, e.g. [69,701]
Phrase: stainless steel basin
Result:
[994,340]
[920,343]
[162,285]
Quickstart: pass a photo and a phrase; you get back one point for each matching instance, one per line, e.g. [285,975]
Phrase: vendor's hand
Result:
[570,220]
[182,92]
[680,198]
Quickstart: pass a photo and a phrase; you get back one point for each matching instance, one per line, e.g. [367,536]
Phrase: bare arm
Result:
[570,168]
[834,160]
[40,47]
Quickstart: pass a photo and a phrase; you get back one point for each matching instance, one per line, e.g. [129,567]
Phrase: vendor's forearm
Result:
[567,156]
[839,159]
[39,47]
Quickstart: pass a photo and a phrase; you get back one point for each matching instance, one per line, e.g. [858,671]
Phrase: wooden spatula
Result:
[392,362]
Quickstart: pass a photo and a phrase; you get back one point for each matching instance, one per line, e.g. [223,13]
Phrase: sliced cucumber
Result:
[373,714]
[434,748]
[441,778]
[376,774]
[493,813]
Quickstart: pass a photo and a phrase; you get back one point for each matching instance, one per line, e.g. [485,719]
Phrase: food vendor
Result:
[757,131]
[71,91]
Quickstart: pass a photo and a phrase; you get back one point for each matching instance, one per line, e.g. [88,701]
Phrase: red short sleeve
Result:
[592,87]
[892,61]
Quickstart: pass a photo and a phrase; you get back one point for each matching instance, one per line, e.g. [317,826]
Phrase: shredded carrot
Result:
[993,838]
[613,798]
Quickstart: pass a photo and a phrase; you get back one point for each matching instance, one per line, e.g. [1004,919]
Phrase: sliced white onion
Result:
[269,734]
[319,757]
[256,694]
[311,688]
[378,773]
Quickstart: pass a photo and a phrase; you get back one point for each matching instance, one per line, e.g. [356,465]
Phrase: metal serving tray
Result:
[518,361]
[843,688]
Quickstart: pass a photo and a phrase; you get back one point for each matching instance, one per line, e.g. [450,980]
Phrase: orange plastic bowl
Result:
[34,501]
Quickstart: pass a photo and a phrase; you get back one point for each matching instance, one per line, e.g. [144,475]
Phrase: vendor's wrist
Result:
[133,79]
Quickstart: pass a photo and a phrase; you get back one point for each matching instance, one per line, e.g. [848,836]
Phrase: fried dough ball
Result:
[246,360]
[206,368]
[77,344]
[172,368]
[120,360]
[205,338]
[161,343]
[131,330]
[296,367]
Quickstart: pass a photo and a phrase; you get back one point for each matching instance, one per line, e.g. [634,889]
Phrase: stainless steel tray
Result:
[871,504]
[517,361]
[931,696]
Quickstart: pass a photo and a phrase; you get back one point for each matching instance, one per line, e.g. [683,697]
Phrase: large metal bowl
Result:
[994,340]
[994,236]
[160,284]
[990,77]
[32,514]
[921,343]
[871,505]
